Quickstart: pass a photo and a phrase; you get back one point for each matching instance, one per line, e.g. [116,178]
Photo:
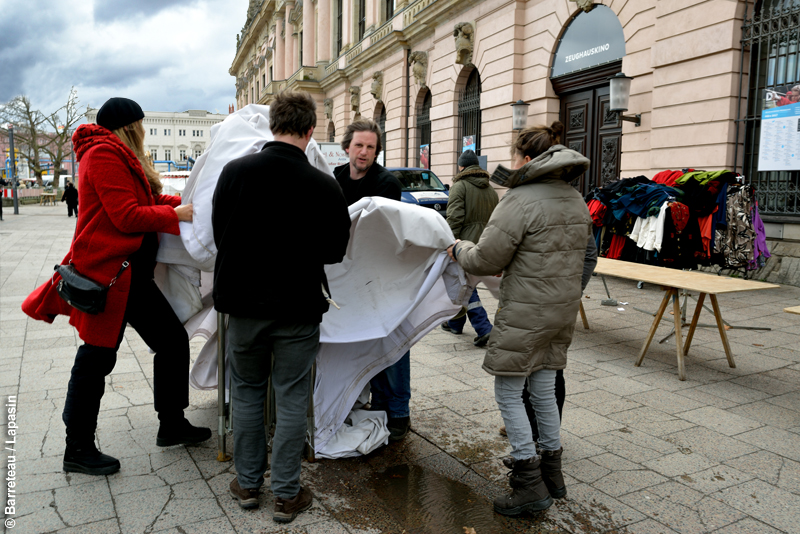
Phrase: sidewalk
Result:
[643,452]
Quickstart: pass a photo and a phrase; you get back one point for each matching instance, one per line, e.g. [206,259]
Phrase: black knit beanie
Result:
[118,112]
[467,159]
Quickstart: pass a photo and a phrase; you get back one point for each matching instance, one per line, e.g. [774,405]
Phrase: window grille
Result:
[382,124]
[424,127]
[771,36]
[339,27]
[469,111]
[362,18]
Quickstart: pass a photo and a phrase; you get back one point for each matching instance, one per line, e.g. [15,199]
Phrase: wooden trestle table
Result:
[672,280]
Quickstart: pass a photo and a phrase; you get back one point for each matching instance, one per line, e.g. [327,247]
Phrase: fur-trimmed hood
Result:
[474,175]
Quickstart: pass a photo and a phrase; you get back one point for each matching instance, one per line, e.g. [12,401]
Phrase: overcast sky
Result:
[167,55]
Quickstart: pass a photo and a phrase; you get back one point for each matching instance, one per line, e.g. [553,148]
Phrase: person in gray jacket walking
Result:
[471,203]
[537,238]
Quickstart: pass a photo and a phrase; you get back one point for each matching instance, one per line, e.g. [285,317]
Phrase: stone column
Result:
[372,16]
[289,52]
[324,24]
[309,57]
[278,57]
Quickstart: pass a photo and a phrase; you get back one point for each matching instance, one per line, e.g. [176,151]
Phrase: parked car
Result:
[422,188]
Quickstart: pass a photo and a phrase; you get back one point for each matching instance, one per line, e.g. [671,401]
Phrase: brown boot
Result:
[528,492]
[551,473]
[287,509]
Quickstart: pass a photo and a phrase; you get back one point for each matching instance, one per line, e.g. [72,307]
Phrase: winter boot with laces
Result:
[551,473]
[528,491]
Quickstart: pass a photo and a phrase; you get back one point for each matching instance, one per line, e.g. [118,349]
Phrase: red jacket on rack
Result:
[117,209]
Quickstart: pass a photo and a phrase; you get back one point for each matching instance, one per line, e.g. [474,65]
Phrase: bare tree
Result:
[28,131]
[38,134]
[62,121]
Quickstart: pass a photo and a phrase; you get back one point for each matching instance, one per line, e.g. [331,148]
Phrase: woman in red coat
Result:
[122,209]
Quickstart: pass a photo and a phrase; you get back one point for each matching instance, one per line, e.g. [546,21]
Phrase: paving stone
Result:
[720,420]
[84,503]
[585,471]
[776,507]
[469,402]
[713,445]
[775,440]
[666,401]
[619,483]
[714,479]
[790,401]
[620,386]
[769,414]
[39,514]
[220,525]
[679,463]
[107,526]
[582,422]
[761,464]
[674,515]
[748,526]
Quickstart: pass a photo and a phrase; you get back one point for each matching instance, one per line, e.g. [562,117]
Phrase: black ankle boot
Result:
[551,473]
[180,432]
[85,458]
[528,492]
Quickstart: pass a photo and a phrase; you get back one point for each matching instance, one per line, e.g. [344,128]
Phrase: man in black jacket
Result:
[363,177]
[70,196]
[269,277]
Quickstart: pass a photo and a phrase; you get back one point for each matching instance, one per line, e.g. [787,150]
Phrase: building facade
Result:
[173,137]
[438,74]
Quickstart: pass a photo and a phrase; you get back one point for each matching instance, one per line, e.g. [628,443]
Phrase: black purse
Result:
[82,293]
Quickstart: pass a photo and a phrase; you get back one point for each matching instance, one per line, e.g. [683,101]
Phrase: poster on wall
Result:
[468,143]
[779,145]
[424,156]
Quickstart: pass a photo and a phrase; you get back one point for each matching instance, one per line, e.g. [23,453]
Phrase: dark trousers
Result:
[71,208]
[561,393]
[149,313]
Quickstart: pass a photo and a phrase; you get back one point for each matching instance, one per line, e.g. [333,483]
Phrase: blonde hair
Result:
[133,137]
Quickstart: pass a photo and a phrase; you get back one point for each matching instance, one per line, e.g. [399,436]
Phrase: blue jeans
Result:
[477,317]
[391,388]
[508,394]
[251,345]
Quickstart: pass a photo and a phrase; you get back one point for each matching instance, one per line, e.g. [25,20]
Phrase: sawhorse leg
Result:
[723,336]
[583,316]
[667,294]
[676,307]
[693,326]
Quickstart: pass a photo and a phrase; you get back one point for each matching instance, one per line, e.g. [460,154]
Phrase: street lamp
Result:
[620,89]
[519,118]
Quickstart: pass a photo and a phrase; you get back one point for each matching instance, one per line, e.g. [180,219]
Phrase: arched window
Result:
[331,133]
[469,113]
[424,132]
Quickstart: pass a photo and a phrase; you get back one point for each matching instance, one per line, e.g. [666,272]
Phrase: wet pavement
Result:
[643,452]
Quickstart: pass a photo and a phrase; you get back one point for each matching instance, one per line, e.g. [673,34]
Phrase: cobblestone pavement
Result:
[644,452]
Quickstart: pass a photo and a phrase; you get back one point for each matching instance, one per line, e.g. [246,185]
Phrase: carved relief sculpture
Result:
[355,98]
[377,85]
[464,34]
[419,66]
[328,103]
[585,5]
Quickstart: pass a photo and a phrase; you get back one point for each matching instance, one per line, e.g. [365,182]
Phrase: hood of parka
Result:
[474,175]
[557,163]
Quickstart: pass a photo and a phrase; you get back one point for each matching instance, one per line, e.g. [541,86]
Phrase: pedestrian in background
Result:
[275,291]
[365,177]
[472,200]
[115,244]
[537,238]
[70,196]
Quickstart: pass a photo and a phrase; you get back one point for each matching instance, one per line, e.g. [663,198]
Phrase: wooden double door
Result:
[594,131]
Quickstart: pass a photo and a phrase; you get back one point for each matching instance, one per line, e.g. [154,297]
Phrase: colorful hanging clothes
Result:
[597,210]
[648,233]
[738,238]
[760,250]
[617,245]
[643,201]
[682,247]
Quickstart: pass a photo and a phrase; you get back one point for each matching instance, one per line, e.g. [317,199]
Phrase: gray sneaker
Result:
[248,498]
[287,509]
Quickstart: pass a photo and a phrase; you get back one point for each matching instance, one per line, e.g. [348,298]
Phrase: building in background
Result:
[435,73]
[173,137]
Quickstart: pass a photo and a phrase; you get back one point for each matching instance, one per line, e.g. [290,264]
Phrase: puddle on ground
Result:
[425,502]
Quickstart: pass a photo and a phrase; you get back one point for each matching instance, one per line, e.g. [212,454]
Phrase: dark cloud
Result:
[110,10]
[49,46]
